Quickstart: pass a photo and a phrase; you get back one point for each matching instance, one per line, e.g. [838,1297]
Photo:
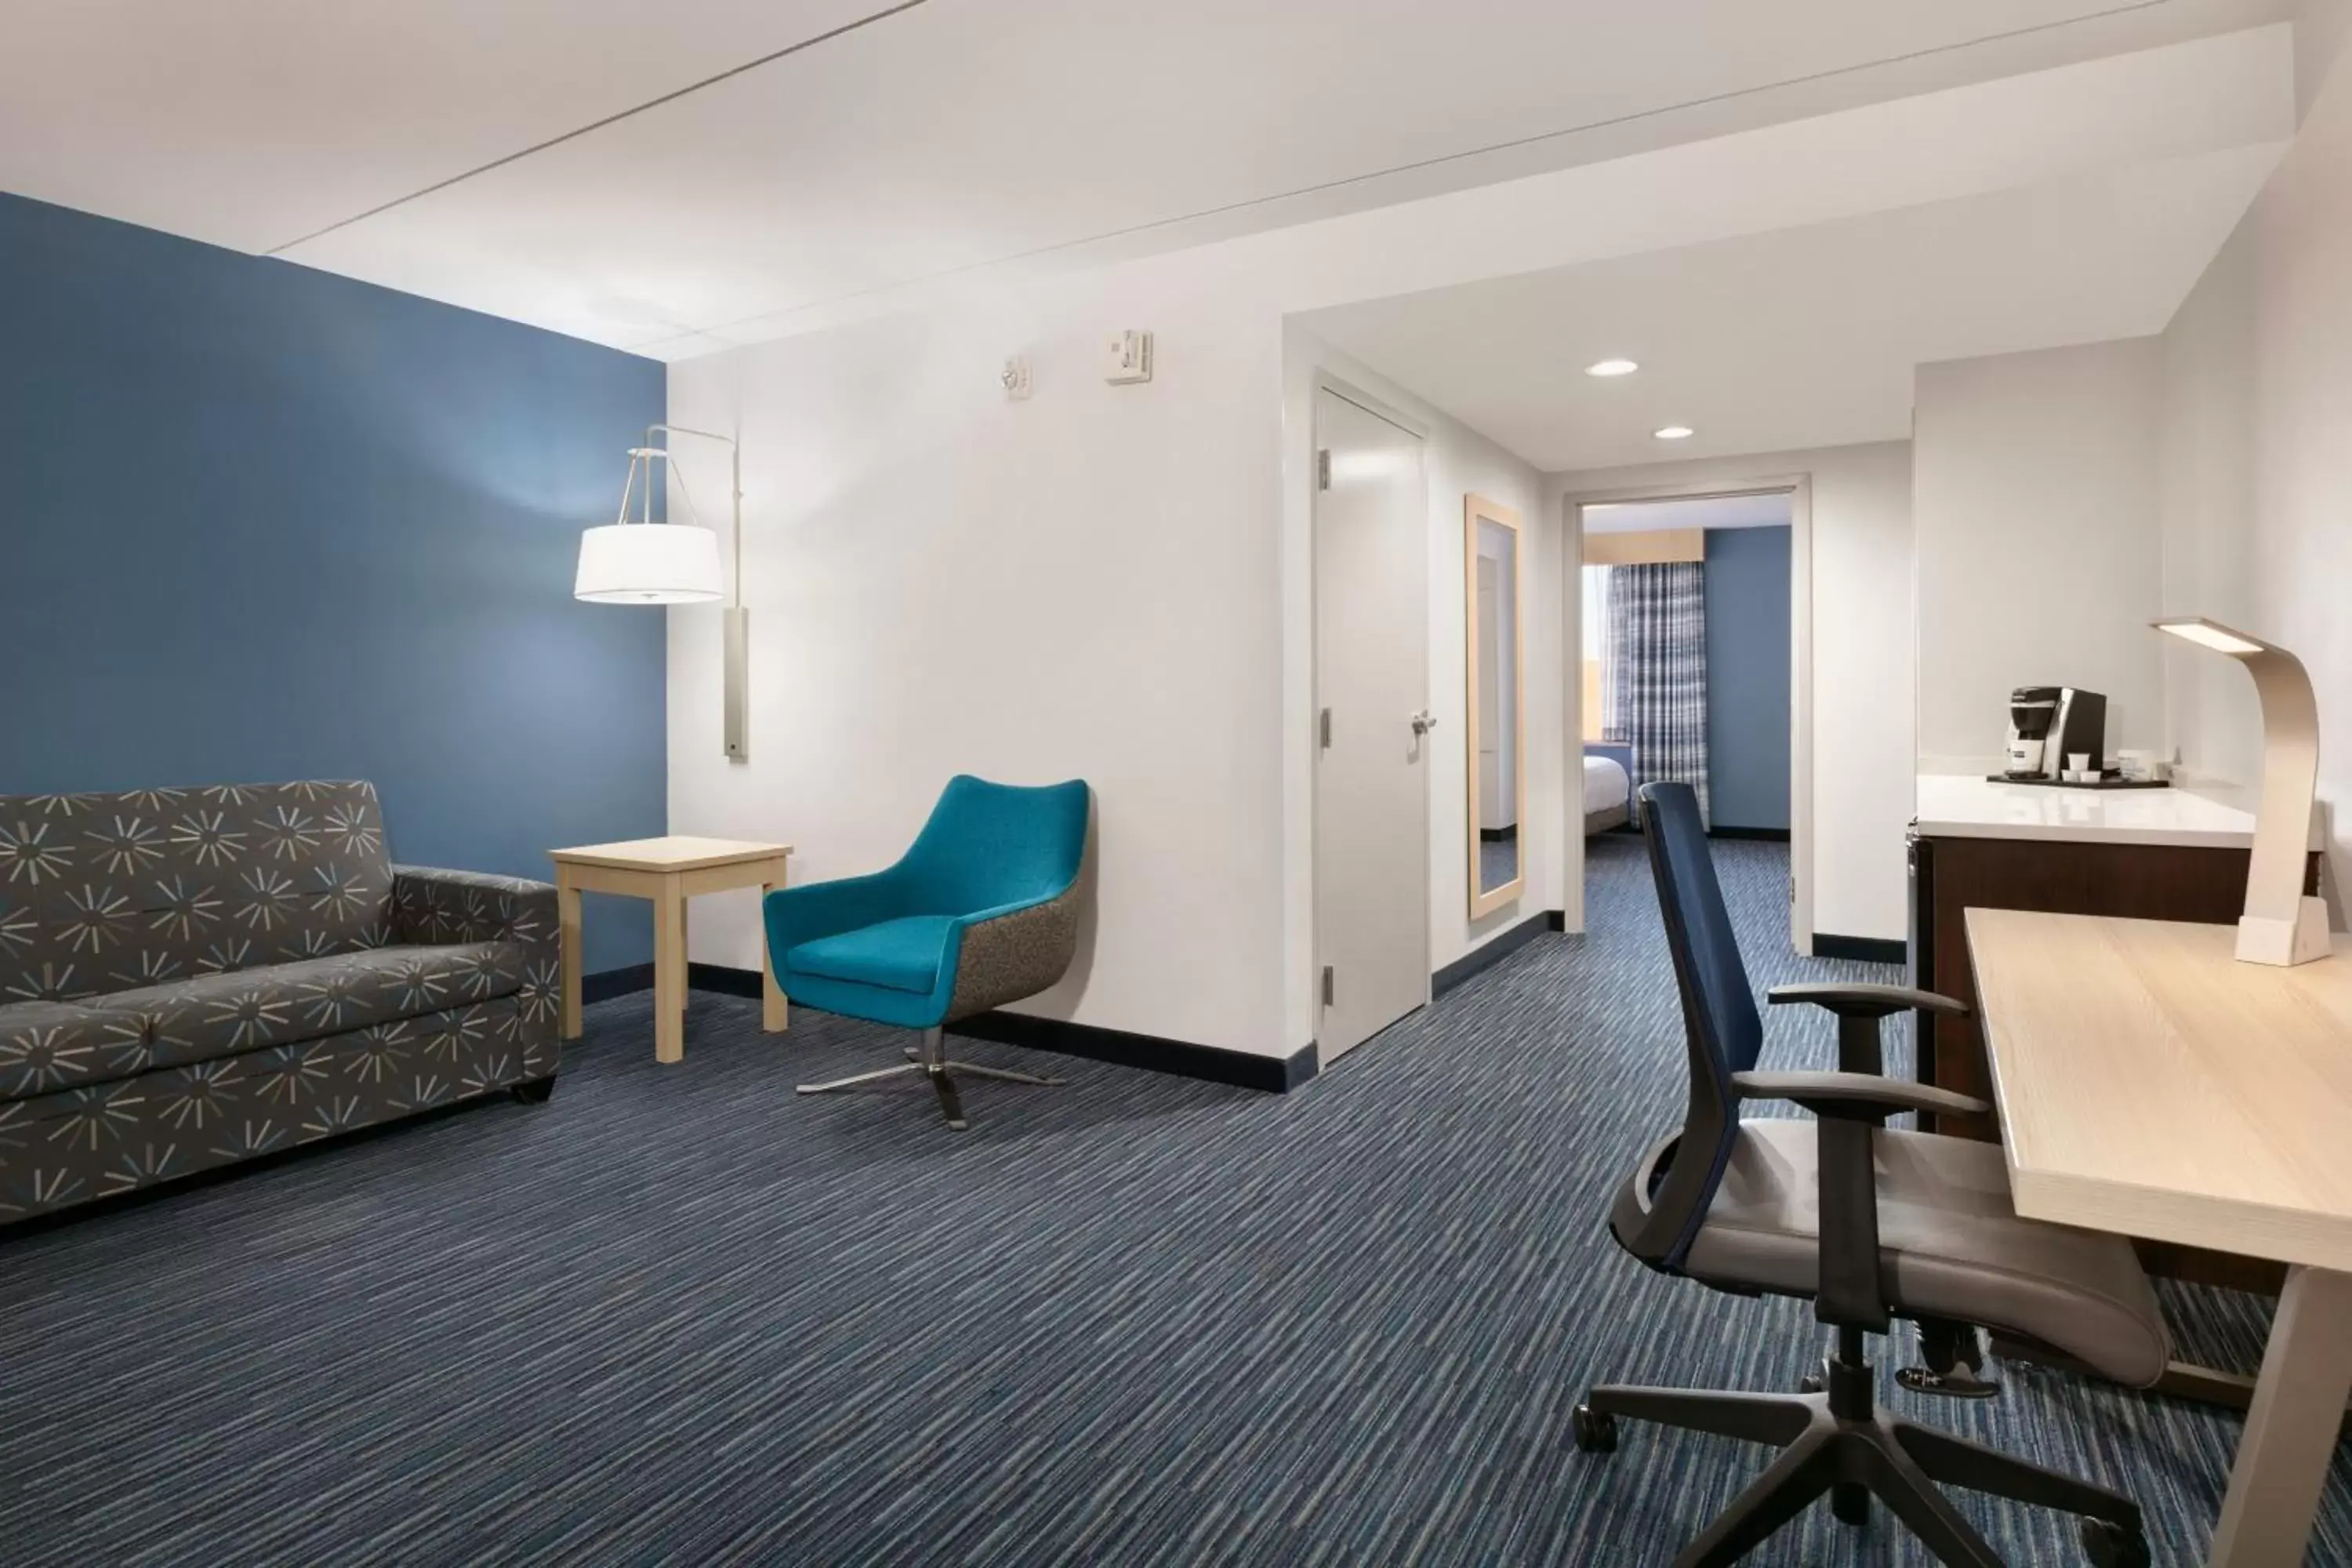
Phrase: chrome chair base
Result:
[931,1059]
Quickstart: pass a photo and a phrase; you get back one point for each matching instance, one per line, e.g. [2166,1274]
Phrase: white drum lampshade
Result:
[648,564]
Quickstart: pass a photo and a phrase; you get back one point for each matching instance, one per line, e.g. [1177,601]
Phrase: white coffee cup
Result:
[2079,762]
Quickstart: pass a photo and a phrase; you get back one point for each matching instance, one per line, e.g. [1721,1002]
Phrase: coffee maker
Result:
[2049,723]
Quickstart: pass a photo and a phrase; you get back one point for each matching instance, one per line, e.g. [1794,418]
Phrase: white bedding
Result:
[1605,785]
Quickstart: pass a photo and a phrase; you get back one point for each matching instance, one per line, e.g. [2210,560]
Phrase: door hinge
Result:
[1323,729]
[1329,990]
[1323,468]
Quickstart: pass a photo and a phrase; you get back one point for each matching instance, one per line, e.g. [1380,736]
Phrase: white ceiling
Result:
[1766,510]
[1807,336]
[951,135]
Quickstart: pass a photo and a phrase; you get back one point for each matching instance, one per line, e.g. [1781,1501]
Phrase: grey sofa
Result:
[190,977]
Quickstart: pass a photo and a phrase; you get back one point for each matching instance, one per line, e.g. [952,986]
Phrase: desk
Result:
[668,871]
[2152,1085]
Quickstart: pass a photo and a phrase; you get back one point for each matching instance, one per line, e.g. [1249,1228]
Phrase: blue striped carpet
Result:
[681,1315]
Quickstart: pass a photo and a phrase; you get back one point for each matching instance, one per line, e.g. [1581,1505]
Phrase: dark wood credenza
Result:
[2143,880]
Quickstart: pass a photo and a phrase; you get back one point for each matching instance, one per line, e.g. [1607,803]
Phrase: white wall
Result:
[1080,585]
[2258,500]
[1103,582]
[2034,504]
[1863,652]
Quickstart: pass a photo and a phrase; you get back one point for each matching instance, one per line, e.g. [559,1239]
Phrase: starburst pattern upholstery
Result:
[191,977]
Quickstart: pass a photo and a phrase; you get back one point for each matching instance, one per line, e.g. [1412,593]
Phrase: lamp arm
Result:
[2274,871]
[735,450]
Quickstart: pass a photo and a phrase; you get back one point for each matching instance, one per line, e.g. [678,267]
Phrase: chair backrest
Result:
[987,845]
[110,892]
[1722,1031]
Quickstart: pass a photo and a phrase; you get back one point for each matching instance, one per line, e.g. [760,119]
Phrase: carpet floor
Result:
[681,1315]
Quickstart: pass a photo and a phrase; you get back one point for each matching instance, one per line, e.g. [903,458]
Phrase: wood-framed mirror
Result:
[1493,570]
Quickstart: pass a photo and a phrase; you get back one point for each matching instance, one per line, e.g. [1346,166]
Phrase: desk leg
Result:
[2282,1465]
[567,917]
[669,971]
[773,1016]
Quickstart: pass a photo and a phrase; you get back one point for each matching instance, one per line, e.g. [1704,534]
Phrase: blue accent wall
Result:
[259,523]
[1748,676]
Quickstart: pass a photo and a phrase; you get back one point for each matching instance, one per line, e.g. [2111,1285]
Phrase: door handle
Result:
[1423,722]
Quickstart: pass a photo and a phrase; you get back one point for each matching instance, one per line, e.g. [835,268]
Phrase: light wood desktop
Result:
[2150,1084]
[668,871]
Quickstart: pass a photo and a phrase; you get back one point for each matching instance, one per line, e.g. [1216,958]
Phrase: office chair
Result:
[981,910]
[1872,1224]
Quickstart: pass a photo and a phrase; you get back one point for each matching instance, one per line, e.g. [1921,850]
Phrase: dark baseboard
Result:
[1770,835]
[724,979]
[1181,1058]
[1492,953]
[607,984]
[1863,949]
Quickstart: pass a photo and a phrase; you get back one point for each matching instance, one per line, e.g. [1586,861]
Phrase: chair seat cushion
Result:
[897,955]
[1951,1245]
[207,1016]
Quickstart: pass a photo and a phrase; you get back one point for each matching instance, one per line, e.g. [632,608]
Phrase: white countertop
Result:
[1954,807]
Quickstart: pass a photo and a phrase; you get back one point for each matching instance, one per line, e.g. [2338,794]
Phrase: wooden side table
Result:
[668,871]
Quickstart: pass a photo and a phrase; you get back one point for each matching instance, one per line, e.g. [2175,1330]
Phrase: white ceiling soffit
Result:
[1765,511]
[1801,337]
[951,135]
[250,123]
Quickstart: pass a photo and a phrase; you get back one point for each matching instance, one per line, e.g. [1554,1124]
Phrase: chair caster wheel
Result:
[2113,1545]
[1810,1385]
[1596,1430]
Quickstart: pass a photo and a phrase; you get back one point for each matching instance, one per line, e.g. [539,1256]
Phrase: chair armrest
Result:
[1853,1096]
[791,916]
[1009,953]
[433,905]
[1863,1001]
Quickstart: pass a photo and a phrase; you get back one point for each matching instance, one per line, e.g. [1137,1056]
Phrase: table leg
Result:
[567,919]
[772,1013]
[669,971]
[2290,1431]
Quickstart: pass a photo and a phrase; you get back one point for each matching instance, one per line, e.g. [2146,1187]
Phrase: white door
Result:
[1372,684]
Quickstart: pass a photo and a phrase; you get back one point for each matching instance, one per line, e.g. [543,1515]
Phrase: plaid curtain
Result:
[1656,665]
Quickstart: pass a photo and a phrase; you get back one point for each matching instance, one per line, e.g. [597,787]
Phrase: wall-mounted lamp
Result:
[648,562]
[2281,925]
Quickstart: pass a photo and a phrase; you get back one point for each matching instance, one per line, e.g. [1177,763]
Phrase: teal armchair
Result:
[981,910]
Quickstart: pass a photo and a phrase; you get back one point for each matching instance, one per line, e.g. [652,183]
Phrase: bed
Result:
[1607,795]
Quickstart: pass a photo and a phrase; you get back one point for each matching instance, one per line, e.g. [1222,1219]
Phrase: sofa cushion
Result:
[215,1016]
[898,956]
[106,892]
[50,1046]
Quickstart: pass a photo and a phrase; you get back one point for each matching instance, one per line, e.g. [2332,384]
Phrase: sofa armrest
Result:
[431,905]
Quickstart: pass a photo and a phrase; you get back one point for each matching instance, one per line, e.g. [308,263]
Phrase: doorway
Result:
[1372,721]
[1743,548]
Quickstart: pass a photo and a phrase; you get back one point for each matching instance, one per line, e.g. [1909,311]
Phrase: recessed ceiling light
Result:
[1674,432]
[1611,367]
